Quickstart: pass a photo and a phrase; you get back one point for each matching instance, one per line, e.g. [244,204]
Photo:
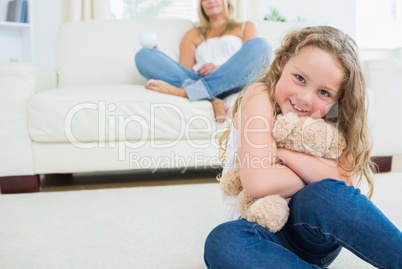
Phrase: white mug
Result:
[148,39]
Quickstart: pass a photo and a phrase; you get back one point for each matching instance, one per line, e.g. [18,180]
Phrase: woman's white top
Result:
[217,50]
[230,202]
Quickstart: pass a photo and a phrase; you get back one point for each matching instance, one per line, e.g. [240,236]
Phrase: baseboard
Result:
[19,184]
[383,164]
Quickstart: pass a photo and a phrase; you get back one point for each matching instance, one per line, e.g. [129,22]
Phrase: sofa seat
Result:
[120,127]
[116,112]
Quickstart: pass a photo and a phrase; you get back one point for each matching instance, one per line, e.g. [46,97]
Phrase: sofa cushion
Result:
[118,112]
[100,52]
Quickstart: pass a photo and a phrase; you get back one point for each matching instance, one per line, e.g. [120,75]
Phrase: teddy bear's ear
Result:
[284,125]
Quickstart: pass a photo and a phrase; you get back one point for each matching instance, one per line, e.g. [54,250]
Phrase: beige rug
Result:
[149,227]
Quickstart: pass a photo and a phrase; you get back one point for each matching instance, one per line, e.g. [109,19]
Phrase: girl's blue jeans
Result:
[242,68]
[324,216]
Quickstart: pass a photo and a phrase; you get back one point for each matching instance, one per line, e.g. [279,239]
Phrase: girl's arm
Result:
[250,31]
[187,48]
[311,169]
[259,172]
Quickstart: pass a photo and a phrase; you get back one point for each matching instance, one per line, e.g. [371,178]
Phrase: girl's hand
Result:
[207,69]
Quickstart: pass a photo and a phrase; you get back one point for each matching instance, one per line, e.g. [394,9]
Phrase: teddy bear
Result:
[315,137]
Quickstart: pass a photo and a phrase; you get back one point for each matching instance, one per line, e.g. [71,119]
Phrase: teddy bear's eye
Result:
[300,78]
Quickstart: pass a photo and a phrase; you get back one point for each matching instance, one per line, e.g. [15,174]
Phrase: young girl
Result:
[316,73]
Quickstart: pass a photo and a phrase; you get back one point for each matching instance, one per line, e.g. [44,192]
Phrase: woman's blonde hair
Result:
[230,23]
[350,112]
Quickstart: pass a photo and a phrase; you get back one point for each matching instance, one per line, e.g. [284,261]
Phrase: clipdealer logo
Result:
[112,127]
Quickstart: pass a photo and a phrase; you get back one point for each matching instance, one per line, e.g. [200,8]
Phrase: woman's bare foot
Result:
[164,87]
[221,109]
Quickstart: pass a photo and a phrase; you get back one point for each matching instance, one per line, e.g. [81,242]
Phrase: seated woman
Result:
[217,58]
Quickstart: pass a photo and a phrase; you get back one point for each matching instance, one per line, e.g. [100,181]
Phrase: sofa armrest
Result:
[384,80]
[18,82]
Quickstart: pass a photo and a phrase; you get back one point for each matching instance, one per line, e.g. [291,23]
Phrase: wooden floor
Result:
[90,181]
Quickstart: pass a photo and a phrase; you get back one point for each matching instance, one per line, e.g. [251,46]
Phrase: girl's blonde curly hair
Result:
[350,112]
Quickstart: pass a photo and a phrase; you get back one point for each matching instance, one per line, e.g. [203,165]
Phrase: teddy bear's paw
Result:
[230,183]
[244,201]
[271,212]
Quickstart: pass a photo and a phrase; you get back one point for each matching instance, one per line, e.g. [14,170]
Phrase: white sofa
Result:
[94,114]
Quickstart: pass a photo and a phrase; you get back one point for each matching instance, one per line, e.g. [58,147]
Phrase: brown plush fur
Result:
[303,134]
[311,136]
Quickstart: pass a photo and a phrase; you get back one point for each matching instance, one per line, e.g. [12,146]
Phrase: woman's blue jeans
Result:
[324,216]
[242,68]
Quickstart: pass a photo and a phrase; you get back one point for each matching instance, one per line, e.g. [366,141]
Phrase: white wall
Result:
[340,14]
[379,23]
[47,17]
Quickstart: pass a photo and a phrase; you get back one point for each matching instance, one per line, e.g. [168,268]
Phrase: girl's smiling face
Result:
[310,83]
